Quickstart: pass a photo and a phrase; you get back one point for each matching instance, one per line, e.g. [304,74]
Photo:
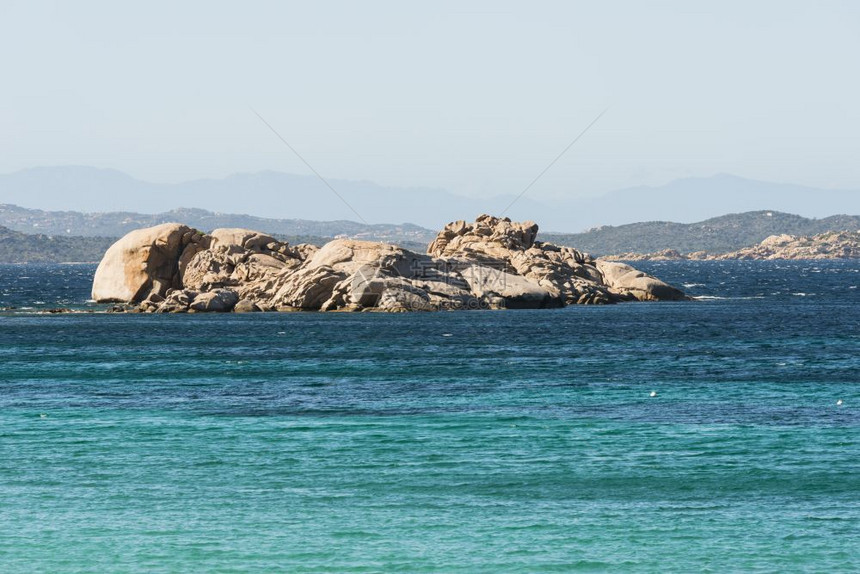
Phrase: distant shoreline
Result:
[72,237]
[830,245]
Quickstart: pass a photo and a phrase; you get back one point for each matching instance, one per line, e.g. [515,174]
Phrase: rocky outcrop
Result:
[830,245]
[625,280]
[488,264]
[146,261]
[663,255]
[833,245]
[566,276]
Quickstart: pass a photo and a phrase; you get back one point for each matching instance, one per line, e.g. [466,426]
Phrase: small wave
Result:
[689,285]
[718,298]
[801,294]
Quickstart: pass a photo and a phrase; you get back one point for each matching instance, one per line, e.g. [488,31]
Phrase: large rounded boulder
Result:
[146,261]
[630,283]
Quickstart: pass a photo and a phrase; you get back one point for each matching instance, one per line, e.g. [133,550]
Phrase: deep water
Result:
[462,441]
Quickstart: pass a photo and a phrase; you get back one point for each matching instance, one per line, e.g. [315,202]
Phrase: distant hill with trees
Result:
[717,235]
[17,247]
[118,223]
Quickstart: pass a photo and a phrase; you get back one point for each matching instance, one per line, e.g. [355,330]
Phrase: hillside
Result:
[74,236]
[117,224]
[18,247]
[696,199]
[717,235]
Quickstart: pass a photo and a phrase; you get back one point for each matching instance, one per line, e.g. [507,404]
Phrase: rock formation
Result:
[491,263]
[830,245]
[833,245]
[146,261]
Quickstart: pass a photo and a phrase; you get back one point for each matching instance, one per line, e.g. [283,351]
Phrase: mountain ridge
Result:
[265,193]
[280,195]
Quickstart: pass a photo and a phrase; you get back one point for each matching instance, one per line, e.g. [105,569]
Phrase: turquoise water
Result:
[479,441]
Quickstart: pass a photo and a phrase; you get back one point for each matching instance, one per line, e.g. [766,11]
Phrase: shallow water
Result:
[465,441]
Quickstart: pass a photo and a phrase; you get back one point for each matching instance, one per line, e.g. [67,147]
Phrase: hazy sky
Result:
[475,97]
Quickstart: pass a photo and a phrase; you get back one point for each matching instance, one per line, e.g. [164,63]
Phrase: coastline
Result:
[830,245]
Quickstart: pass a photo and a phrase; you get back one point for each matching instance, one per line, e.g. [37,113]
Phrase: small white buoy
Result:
[839,403]
[653,394]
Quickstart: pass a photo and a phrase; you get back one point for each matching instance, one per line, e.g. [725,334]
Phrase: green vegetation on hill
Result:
[18,247]
[718,235]
[117,224]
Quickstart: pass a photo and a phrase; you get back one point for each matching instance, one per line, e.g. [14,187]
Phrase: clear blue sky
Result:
[475,97]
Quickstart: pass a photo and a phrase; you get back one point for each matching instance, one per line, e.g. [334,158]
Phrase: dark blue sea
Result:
[486,441]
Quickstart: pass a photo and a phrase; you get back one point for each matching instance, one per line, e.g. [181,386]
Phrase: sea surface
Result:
[486,441]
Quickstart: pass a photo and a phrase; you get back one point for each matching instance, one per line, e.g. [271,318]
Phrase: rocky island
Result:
[491,263]
[830,245]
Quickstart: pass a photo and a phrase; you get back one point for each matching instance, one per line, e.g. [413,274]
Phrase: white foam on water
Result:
[718,298]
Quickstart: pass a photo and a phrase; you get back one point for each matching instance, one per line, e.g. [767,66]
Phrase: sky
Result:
[473,97]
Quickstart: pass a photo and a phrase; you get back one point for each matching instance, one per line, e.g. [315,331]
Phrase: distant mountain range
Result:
[266,194]
[295,198]
[74,236]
